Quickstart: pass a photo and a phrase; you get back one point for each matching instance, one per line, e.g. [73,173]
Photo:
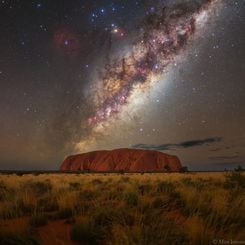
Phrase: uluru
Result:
[128,160]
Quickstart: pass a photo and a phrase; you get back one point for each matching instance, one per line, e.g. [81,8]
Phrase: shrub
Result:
[48,204]
[234,180]
[87,195]
[18,239]
[131,198]
[113,195]
[74,185]
[144,207]
[64,213]
[39,188]
[128,219]
[144,188]
[167,168]
[125,179]
[124,217]
[239,168]
[3,190]
[165,186]
[104,217]
[85,233]
[176,200]
[25,207]
[35,173]
[96,181]
[157,230]
[198,184]
[38,220]
[120,188]
[160,202]
[184,169]
[19,174]
[187,181]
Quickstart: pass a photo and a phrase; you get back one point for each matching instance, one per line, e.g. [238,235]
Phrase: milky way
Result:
[158,41]
[162,36]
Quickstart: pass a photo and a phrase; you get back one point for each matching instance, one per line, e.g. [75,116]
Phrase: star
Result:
[38,5]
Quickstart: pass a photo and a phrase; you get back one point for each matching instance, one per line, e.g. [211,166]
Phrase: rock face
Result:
[122,160]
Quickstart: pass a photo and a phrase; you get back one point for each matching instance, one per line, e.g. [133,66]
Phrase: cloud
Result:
[229,164]
[223,157]
[216,149]
[184,144]
[154,147]
[206,141]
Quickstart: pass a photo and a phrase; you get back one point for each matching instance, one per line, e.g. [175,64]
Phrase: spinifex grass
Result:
[185,208]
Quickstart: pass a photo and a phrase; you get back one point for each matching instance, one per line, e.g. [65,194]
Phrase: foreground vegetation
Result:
[150,209]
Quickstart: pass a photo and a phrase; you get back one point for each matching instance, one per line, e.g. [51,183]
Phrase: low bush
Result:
[161,202]
[18,239]
[74,185]
[144,189]
[104,217]
[125,179]
[38,188]
[86,233]
[96,181]
[87,195]
[38,220]
[157,230]
[165,186]
[131,198]
[48,204]
[3,190]
[234,180]
[64,213]
[25,207]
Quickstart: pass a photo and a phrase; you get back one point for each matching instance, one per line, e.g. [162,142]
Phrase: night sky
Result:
[77,76]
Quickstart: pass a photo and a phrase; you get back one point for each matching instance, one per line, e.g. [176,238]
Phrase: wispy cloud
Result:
[215,149]
[161,147]
[229,164]
[223,157]
[184,144]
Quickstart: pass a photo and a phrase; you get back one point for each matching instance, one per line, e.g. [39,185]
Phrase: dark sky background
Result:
[77,76]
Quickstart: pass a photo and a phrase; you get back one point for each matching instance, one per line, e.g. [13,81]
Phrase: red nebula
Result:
[67,41]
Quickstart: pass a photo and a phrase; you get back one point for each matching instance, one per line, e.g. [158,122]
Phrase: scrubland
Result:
[145,209]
